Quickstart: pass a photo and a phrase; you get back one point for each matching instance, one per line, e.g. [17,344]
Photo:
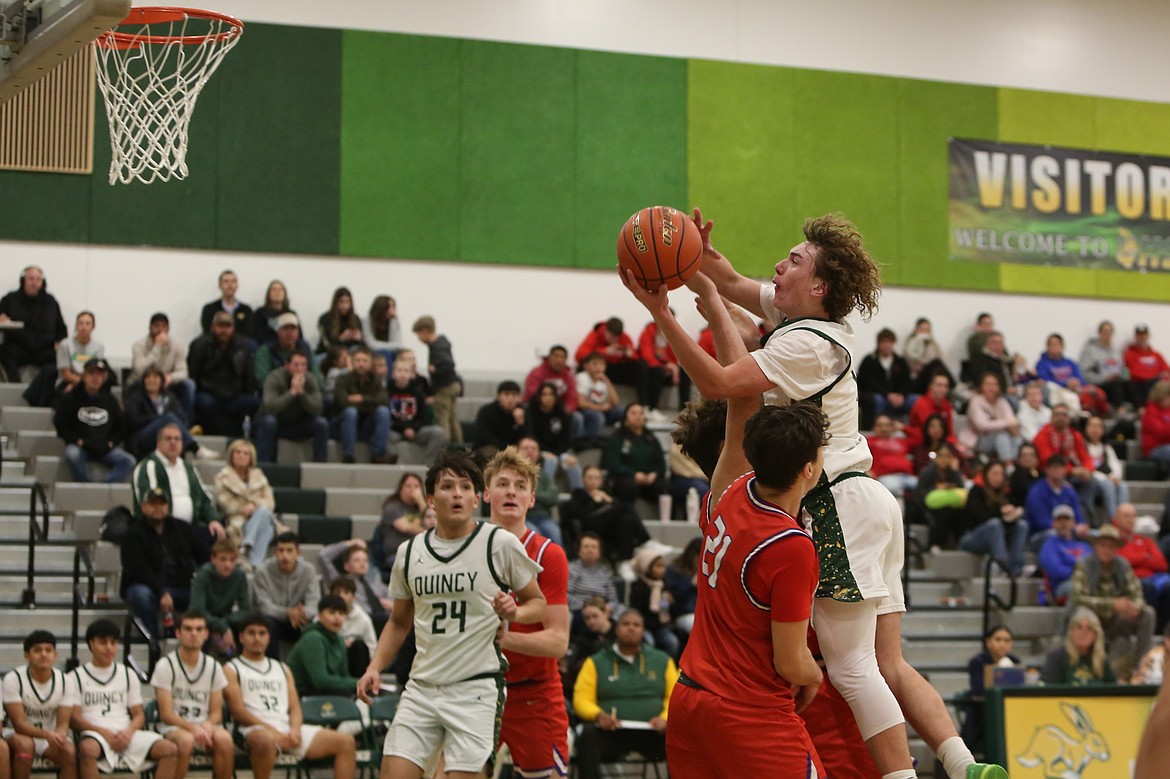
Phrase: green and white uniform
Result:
[105,697]
[41,702]
[856,524]
[190,688]
[264,690]
[455,696]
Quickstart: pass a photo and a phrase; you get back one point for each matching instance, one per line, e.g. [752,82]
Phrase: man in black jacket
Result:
[500,424]
[157,562]
[225,384]
[883,382]
[43,328]
[89,420]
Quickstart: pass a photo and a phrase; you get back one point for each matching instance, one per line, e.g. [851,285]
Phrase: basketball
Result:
[661,245]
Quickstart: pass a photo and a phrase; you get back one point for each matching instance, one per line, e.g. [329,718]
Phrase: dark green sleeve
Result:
[198,603]
[312,658]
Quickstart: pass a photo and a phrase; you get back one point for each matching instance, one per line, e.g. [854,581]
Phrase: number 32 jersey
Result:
[452,583]
[758,566]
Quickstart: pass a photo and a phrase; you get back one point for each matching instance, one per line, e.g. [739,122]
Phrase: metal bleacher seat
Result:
[337,475]
[349,501]
[299,500]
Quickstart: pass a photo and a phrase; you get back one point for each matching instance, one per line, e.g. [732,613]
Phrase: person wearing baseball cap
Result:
[158,350]
[1060,553]
[275,353]
[89,421]
[158,561]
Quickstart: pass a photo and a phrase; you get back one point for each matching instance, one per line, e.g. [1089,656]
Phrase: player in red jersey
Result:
[535,723]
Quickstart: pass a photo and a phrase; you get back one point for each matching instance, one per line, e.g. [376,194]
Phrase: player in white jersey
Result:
[265,707]
[39,700]
[188,686]
[109,713]
[857,531]
[453,584]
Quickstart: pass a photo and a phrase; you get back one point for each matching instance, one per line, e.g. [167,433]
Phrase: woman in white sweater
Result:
[992,427]
[245,499]
[1108,470]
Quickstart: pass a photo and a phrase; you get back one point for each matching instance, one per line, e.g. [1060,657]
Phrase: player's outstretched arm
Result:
[737,288]
[1154,748]
[396,630]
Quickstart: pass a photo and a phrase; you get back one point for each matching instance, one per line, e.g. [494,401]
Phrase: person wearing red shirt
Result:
[1059,437]
[623,365]
[892,465]
[1156,424]
[1145,365]
[934,402]
[535,724]
[657,353]
[554,369]
[1148,563]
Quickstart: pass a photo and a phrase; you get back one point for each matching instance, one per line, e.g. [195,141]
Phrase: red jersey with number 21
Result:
[758,566]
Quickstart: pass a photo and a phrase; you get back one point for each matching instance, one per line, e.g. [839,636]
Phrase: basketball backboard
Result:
[38,35]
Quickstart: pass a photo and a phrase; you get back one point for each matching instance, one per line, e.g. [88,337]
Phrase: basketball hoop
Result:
[151,68]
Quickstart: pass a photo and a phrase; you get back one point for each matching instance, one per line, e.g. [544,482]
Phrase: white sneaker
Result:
[203,453]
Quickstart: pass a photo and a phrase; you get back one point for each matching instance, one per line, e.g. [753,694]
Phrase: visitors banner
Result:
[1043,205]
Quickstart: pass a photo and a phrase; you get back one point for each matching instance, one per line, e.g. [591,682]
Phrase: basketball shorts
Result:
[135,758]
[708,737]
[857,532]
[308,733]
[535,728]
[834,733]
[461,719]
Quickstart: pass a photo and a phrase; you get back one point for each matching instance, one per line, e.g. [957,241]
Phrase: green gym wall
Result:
[387,145]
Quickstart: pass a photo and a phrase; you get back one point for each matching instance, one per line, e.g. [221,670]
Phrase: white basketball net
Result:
[150,71]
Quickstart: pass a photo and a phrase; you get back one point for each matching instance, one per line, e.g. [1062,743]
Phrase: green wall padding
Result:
[53,207]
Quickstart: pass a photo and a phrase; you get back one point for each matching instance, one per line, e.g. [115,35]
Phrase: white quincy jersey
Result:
[41,701]
[452,583]
[264,688]
[106,695]
[809,359]
[190,688]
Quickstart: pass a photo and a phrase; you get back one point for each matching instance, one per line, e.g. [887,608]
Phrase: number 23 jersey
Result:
[758,566]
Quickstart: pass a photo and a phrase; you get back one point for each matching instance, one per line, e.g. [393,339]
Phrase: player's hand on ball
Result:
[653,301]
[504,605]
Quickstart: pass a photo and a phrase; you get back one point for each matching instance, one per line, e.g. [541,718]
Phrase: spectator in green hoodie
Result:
[319,661]
[219,591]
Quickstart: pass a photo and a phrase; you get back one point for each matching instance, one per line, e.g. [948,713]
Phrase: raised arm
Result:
[731,284]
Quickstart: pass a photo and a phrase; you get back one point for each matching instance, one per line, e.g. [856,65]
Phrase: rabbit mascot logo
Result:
[1064,756]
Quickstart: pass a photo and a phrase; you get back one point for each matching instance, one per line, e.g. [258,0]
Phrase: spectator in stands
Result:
[158,350]
[589,577]
[545,496]
[1146,365]
[892,465]
[997,646]
[596,632]
[149,406]
[165,469]
[225,385]
[1060,552]
[633,457]
[1081,658]
[319,661]
[501,423]
[1108,475]
[996,360]
[273,354]
[1151,668]
[1147,561]
[622,363]
[401,521]
[352,559]
[933,403]
[932,436]
[89,420]
[72,355]
[292,407]
[1046,495]
[685,475]
[1106,584]
[286,590]
[35,343]
[1059,437]
[334,364]
[382,331]
[554,370]
[219,592]
[555,430]
[446,386]
[648,594]
[942,495]
[1055,368]
[1104,366]
[1025,474]
[1032,413]
[246,501]
[635,685]
[1156,425]
[39,699]
[358,630]
[362,409]
[998,525]
[340,325]
[598,400]
[681,579]
[656,353]
[262,325]
[884,382]
[593,510]
[158,563]
[411,418]
[925,357]
[984,327]
[992,428]
[239,312]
